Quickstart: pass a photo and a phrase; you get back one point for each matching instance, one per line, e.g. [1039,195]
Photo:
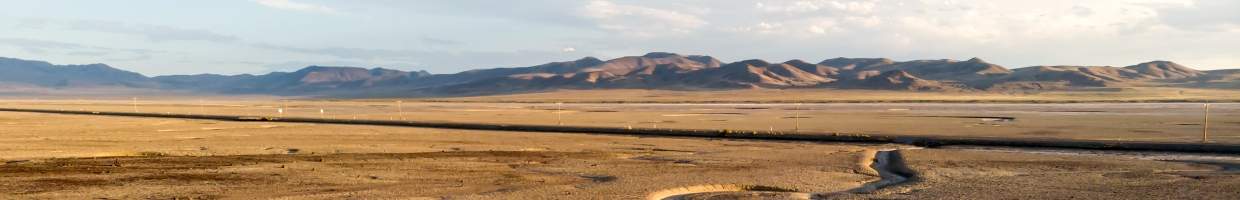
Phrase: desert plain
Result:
[57,156]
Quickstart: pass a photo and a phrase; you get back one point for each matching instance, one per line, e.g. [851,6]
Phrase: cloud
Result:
[435,61]
[342,52]
[1206,15]
[1011,32]
[297,6]
[760,28]
[154,33]
[798,7]
[965,21]
[640,21]
[35,46]
[41,44]
[430,41]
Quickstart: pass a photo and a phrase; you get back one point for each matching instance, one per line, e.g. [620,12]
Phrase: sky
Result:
[160,37]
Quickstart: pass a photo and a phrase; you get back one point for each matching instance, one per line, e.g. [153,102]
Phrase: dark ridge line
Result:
[915,140]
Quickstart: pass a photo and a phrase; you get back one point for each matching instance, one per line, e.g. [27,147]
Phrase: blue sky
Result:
[159,37]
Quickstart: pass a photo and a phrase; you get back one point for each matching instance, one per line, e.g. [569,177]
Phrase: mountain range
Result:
[658,70]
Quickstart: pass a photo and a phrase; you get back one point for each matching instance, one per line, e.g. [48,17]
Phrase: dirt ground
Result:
[967,174]
[1166,122]
[47,156]
[90,157]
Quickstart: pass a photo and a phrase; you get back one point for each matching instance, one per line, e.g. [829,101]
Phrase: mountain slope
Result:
[307,80]
[973,72]
[653,70]
[896,80]
[1165,70]
[44,74]
[667,71]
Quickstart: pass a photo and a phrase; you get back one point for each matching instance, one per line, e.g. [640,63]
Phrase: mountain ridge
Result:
[656,70]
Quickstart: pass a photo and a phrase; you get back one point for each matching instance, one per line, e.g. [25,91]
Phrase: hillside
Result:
[309,80]
[17,72]
[659,71]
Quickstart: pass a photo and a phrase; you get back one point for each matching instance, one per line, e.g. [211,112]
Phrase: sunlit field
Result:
[1165,122]
[89,156]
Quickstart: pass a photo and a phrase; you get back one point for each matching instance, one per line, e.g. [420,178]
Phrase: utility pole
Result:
[559,119]
[400,110]
[135,104]
[796,118]
[1205,124]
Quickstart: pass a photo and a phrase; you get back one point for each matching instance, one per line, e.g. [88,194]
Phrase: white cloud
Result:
[797,7]
[151,32]
[1012,32]
[41,47]
[431,60]
[640,21]
[759,28]
[297,6]
[568,49]
[969,21]
[1204,15]
[823,27]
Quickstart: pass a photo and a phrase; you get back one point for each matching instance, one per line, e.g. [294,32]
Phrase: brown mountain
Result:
[945,69]
[816,69]
[663,71]
[650,71]
[631,64]
[1165,70]
[673,71]
[1223,79]
[653,70]
[1085,76]
[898,80]
[313,79]
[856,64]
[759,73]
[1060,77]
